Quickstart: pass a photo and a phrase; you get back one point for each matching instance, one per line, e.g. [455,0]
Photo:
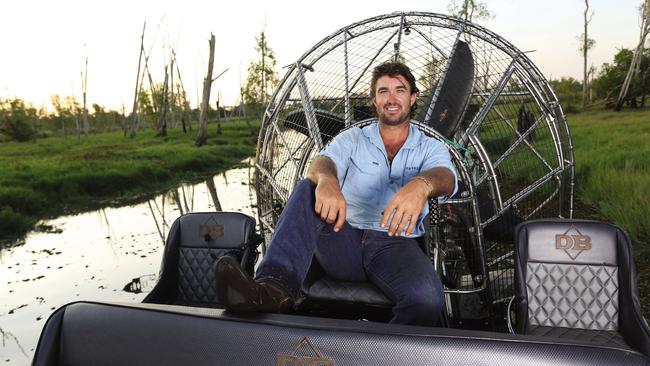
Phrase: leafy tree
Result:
[67,110]
[262,77]
[146,105]
[106,120]
[430,74]
[147,111]
[469,10]
[569,92]
[17,120]
[610,79]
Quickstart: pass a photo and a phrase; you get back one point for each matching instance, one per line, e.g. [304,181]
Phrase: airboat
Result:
[525,282]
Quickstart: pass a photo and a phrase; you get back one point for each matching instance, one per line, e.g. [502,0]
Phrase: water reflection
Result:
[141,284]
[112,254]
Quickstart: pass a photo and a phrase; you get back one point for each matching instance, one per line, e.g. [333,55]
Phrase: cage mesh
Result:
[478,93]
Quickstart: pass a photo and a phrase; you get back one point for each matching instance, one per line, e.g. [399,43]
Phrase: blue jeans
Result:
[396,265]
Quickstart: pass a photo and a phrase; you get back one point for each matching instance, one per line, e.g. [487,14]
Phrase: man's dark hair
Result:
[392,69]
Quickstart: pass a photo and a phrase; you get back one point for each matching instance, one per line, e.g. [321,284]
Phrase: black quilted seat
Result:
[318,287]
[328,288]
[194,243]
[575,279]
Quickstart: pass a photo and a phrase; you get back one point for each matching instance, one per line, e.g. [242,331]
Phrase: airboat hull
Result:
[87,333]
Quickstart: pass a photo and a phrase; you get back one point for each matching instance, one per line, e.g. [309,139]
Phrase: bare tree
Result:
[219,114]
[152,90]
[585,45]
[134,113]
[592,74]
[202,134]
[185,116]
[172,109]
[635,65]
[84,83]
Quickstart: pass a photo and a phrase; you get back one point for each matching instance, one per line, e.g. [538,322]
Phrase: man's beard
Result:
[398,120]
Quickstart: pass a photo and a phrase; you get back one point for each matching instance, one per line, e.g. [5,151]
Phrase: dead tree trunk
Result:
[202,134]
[242,111]
[185,114]
[585,48]
[76,122]
[84,82]
[172,106]
[162,125]
[134,113]
[636,58]
[154,105]
[123,121]
[218,115]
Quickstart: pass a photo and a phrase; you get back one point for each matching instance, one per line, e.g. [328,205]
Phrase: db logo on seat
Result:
[310,356]
[572,242]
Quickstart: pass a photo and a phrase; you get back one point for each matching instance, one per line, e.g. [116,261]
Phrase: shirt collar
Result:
[372,133]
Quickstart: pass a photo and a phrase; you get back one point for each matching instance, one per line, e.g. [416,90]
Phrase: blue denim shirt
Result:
[368,182]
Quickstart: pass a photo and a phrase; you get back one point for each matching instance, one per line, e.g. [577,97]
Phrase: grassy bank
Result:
[613,168]
[52,176]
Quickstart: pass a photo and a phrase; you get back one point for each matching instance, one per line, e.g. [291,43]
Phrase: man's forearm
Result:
[321,167]
[438,181]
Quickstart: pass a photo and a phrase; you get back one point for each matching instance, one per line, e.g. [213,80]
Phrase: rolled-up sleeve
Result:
[340,149]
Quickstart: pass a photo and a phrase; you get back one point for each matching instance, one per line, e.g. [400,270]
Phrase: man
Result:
[358,212]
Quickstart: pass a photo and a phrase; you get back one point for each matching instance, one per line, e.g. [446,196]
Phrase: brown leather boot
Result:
[238,291]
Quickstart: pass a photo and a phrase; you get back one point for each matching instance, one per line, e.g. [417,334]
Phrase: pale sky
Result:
[44,43]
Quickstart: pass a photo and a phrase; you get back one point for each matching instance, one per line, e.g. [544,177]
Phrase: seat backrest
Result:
[194,243]
[578,274]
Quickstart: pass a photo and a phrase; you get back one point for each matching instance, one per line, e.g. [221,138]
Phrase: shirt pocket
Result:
[364,179]
[410,172]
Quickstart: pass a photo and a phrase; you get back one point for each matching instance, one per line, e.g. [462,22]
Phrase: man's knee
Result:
[303,194]
[305,184]
[423,305]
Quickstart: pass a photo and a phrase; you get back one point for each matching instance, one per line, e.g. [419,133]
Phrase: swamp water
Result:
[112,254]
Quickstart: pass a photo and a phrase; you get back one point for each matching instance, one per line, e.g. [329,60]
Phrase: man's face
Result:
[393,99]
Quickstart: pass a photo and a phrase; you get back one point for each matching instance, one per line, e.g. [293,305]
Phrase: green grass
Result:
[51,176]
[612,156]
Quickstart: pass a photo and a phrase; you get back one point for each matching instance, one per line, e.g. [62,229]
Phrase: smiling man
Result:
[359,211]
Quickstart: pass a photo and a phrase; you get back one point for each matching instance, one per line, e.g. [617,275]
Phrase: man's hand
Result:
[404,209]
[330,203]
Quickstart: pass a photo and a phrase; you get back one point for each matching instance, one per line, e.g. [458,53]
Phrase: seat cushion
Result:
[329,289]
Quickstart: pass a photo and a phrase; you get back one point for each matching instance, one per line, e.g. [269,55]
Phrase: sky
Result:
[45,43]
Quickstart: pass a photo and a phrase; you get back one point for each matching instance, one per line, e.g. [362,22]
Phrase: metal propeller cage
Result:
[478,94]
